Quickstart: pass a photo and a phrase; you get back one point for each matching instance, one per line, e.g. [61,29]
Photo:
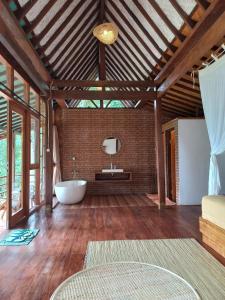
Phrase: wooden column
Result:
[160,167]
[49,157]
[102,68]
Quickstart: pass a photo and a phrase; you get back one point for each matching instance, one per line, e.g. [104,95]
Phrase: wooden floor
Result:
[33,272]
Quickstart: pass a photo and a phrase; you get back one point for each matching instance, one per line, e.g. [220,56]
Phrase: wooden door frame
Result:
[167,153]
[12,220]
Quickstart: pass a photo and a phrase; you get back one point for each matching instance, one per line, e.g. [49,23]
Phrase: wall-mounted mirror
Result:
[111,145]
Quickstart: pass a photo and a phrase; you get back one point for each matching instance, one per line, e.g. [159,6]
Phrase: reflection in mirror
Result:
[111,145]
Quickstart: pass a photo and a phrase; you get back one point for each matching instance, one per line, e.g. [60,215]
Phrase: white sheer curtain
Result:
[212,86]
[56,158]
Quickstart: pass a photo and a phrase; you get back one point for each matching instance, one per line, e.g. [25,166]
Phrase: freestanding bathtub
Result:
[70,192]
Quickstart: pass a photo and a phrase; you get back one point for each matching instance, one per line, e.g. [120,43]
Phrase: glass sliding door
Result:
[34,178]
[42,157]
[17,196]
[3,161]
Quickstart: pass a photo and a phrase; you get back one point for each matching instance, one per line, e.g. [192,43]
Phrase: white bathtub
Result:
[70,192]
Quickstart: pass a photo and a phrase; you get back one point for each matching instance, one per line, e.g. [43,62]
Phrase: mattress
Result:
[213,210]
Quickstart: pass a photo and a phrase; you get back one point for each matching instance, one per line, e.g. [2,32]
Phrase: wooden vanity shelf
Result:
[123,176]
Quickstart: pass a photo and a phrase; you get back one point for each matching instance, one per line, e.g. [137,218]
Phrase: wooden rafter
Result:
[147,34]
[134,32]
[205,34]
[66,65]
[129,66]
[87,13]
[75,51]
[102,70]
[36,39]
[40,16]
[203,3]
[13,39]
[22,11]
[154,26]
[61,27]
[130,61]
[186,18]
[164,17]
[78,64]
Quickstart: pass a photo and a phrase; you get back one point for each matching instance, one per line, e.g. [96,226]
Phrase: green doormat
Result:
[19,237]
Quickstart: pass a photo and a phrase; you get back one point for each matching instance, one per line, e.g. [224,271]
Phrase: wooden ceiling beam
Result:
[135,66]
[183,94]
[37,39]
[186,103]
[188,90]
[130,51]
[69,63]
[164,17]
[22,11]
[101,83]
[78,63]
[75,50]
[87,13]
[137,35]
[62,103]
[176,108]
[14,40]
[104,95]
[186,18]
[153,68]
[110,58]
[102,68]
[205,34]
[124,61]
[183,99]
[178,105]
[39,17]
[147,34]
[189,80]
[189,85]
[148,18]
[88,67]
[203,4]
[61,28]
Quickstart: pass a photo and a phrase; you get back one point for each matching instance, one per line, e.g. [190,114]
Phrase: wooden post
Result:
[160,167]
[49,157]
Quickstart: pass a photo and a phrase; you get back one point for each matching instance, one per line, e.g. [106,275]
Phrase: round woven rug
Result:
[123,281]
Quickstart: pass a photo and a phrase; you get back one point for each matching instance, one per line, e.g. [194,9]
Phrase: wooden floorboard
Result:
[33,272]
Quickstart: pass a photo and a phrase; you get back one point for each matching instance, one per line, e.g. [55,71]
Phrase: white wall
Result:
[221,164]
[194,153]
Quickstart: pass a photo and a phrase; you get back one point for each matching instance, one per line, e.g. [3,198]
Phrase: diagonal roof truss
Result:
[150,34]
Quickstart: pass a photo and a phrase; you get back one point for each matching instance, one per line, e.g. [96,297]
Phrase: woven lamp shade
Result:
[107,33]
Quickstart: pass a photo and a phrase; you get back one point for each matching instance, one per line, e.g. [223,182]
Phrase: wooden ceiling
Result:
[151,32]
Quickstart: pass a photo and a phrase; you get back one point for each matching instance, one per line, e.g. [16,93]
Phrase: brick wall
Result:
[81,134]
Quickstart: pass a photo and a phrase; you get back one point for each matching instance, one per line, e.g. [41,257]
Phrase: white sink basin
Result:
[112,170]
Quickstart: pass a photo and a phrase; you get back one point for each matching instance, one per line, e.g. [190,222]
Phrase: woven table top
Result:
[125,281]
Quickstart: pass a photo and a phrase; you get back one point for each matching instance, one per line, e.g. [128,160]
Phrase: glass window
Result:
[34,188]
[34,140]
[34,99]
[3,161]
[89,104]
[3,73]
[116,104]
[17,161]
[19,87]
[43,107]
[42,158]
